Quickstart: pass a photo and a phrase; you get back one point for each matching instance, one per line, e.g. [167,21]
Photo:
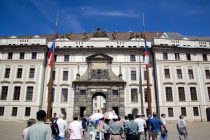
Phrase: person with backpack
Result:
[182,129]
[62,126]
[55,129]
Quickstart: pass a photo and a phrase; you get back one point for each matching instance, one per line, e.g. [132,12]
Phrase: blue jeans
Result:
[60,138]
[164,136]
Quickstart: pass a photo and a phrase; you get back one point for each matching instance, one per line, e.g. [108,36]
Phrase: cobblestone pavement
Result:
[12,130]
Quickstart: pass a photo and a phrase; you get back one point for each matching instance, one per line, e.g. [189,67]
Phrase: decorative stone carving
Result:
[99,33]
[99,74]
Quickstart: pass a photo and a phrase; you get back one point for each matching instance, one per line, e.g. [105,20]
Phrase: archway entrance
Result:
[99,102]
[208,114]
[135,111]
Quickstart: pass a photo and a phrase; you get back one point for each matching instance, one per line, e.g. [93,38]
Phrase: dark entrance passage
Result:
[208,114]
[82,111]
[116,110]
[99,102]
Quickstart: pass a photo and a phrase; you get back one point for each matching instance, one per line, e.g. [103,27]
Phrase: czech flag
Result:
[50,54]
[146,54]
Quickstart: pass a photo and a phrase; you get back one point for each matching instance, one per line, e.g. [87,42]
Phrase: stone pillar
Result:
[121,103]
[76,102]
[89,103]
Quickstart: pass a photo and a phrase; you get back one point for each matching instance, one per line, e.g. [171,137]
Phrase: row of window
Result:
[183,112]
[22,55]
[188,56]
[15,110]
[19,73]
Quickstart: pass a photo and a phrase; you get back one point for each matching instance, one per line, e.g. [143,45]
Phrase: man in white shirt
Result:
[62,126]
[164,135]
[142,124]
[75,128]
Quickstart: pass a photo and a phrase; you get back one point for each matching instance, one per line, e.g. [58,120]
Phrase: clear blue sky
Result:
[32,17]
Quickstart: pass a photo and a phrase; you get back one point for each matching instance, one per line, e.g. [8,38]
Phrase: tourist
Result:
[75,129]
[145,128]
[40,130]
[115,129]
[84,124]
[142,124]
[92,129]
[105,128]
[62,126]
[164,135]
[126,120]
[156,127]
[182,129]
[131,128]
[54,117]
[148,122]
[30,122]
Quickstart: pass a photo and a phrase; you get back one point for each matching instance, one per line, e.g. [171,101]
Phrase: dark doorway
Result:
[135,111]
[63,111]
[116,110]
[82,111]
[208,114]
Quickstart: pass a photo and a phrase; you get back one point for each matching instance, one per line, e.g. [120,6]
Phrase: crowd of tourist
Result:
[131,128]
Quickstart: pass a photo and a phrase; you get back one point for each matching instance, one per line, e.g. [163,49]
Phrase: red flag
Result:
[50,54]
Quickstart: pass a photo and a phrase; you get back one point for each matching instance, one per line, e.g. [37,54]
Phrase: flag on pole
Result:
[50,54]
[146,54]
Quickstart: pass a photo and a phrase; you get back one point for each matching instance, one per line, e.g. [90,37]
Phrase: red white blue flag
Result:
[50,54]
[146,54]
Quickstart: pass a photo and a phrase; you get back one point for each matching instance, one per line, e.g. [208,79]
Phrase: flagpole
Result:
[149,98]
[50,85]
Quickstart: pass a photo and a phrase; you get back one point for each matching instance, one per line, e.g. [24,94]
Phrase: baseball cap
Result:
[41,114]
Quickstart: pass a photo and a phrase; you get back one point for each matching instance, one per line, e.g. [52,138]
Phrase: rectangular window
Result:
[193,94]
[53,94]
[22,55]
[165,56]
[65,75]
[115,92]
[188,56]
[169,96]
[181,93]
[134,95]
[14,111]
[4,93]
[190,72]
[1,111]
[204,57]
[31,72]
[64,95]
[27,111]
[54,74]
[82,92]
[19,72]
[7,73]
[29,93]
[10,54]
[55,58]
[34,54]
[132,57]
[66,58]
[133,75]
[16,93]
[167,73]
[207,74]
[195,111]
[170,112]
[179,73]
[145,75]
[145,95]
[208,92]
[183,111]
[177,57]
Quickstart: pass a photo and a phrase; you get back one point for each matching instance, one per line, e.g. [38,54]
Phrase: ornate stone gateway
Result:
[99,80]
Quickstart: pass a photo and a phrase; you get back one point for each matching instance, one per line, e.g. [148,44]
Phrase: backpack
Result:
[181,127]
[54,127]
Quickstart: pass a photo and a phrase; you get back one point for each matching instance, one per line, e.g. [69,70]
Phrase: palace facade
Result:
[103,71]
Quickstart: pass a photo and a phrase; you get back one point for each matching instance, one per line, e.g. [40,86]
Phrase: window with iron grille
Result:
[54,74]
[208,92]
[188,56]
[65,75]
[179,73]
[19,72]
[27,111]
[190,72]
[134,95]
[177,57]
[145,75]
[181,93]
[16,93]
[7,73]
[22,55]
[133,75]
[193,94]
[14,111]
[10,54]
[66,58]
[53,94]
[169,96]
[165,56]
[4,93]
[207,74]
[145,95]
[170,112]
[33,55]
[82,92]
[64,95]
[204,57]
[167,73]
[183,111]
[115,92]
[31,72]
[195,111]
[1,111]
[29,94]
[132,57]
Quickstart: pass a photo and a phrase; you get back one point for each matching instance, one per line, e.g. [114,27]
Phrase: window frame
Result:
[134,95]
[29,93]
[34,55]
[14,111]
[182,96]
[133,75]
[193,94]
[17,91]
[169,94]
[167,73]
[7,73]
[64,95]
[4,92]
[132,57]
